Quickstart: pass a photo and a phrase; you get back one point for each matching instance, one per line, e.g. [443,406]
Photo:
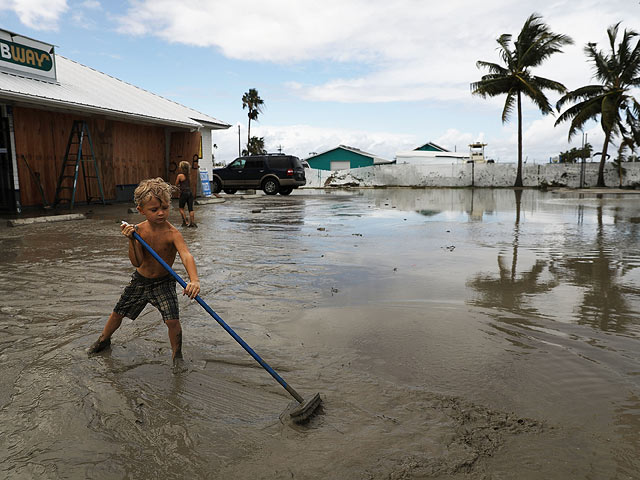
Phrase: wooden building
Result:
[135,134]
[343,157]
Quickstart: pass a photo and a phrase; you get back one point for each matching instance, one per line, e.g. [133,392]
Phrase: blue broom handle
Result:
[222,323]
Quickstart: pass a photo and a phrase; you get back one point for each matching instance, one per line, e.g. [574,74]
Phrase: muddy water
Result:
[452,333]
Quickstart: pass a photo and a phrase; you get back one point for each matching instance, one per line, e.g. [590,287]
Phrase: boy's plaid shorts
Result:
[159,292]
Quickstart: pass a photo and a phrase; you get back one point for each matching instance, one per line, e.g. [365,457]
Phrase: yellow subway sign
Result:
[25,56]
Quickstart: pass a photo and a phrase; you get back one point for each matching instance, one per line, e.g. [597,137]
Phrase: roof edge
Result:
[65,105]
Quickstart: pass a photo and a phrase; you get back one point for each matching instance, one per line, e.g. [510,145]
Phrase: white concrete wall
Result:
[480,175]
[206,163]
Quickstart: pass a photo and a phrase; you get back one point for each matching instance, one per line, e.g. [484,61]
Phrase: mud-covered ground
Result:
[452,334]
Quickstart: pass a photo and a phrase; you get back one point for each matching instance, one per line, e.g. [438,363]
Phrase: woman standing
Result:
[186,195]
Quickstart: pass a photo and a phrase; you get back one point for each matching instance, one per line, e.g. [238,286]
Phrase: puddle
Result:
[452,333]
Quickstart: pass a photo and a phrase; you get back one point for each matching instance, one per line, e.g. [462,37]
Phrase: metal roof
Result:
[82,88]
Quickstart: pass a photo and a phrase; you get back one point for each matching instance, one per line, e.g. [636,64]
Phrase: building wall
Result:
[323,161]
[185,146]
[126,152]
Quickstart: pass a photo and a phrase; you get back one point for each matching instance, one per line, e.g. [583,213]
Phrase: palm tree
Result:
[252,101]
[618,72]
[535,43]
[255,146]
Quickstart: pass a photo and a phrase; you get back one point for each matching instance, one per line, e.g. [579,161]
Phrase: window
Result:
[280,162]
[237,164]
[256,163]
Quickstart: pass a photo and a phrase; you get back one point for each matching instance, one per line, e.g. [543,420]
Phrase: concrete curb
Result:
[47,219]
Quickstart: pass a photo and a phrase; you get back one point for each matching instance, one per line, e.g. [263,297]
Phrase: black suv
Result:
[273,173]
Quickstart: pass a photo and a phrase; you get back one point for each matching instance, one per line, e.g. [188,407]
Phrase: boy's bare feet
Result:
[99,345]
[178,365]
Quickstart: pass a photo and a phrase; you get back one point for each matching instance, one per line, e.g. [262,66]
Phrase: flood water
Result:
[452,334]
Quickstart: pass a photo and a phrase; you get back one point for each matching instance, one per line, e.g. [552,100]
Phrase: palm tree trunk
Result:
[248,132]
[519,172]
[603,159]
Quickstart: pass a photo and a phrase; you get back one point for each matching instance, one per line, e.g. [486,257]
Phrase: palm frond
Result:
[631,65]
[600,63]
[589,112]
[544,46]
[492,67]
[590,108]
[508,105]
[548,84]
[491,86]
[504,50]
[534,92]
[581,94]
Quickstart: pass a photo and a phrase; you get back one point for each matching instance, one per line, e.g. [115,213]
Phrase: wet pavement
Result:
[452,333]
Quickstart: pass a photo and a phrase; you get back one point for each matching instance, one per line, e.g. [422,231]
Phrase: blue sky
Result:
[376,75]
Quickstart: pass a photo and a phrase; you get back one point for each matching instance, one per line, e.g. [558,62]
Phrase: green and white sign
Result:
[27,57]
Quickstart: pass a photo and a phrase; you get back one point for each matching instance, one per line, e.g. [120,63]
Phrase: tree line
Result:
[616,71]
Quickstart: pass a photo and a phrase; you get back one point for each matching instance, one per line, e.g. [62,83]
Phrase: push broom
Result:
[306,407]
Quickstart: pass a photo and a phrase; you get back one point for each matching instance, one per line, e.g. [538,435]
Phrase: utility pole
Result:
[238,139]
[582,166]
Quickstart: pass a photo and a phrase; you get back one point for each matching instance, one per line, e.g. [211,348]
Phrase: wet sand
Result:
[452,334]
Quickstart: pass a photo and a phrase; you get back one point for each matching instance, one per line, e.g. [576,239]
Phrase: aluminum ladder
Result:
[73,158]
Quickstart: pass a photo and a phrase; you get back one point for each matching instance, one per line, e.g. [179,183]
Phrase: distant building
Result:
[343,157]
[430,147]
[476,151]
[135,134]
[431,154]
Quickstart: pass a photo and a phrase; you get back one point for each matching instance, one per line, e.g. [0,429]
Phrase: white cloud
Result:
[37,14]
[411,50]
[541,140]
[302,140]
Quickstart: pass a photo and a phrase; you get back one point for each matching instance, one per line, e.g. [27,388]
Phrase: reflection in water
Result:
[604,304]
[509,289]
[594,266]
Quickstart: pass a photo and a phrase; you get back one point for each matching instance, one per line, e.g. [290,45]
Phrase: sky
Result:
[380,76]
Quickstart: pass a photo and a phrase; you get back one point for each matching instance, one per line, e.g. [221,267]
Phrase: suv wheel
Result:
[271,186]
[285,191]
[216,185]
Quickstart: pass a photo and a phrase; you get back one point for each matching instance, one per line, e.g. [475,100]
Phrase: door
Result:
[340,165]
[253,172]
[232,176]
[7,196]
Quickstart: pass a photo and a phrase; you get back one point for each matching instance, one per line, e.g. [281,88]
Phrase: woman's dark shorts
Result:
[159,292]
[186,198]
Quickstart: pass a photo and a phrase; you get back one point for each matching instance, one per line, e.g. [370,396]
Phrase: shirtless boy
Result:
[151,283]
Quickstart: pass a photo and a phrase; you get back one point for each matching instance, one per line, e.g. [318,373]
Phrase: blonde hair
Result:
[184,167]
[152,188]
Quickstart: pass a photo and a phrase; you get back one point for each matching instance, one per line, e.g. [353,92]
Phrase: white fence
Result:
[478,175]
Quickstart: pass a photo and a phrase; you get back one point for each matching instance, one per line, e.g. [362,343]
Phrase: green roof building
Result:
[343,157]
[430,147]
